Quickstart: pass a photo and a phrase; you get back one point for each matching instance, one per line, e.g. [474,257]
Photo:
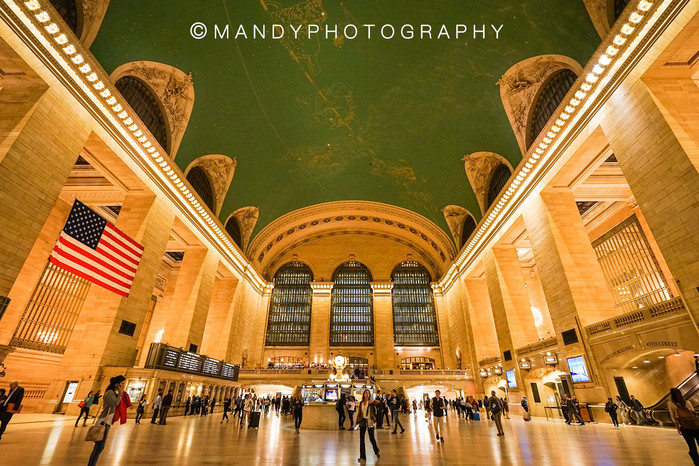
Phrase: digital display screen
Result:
[331,394]
[170,358]
[578,370]
[511,381]
[211,367]
[229,371]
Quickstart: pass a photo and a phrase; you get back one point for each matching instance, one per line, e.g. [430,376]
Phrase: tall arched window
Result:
[145,104]
[497,182]
[352,309]
[414,316]
[69,12]
[233,229]
[467,229]
[552,93]
[199,180]
[289,319]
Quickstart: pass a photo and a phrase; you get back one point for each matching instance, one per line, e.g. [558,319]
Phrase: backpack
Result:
[495,407]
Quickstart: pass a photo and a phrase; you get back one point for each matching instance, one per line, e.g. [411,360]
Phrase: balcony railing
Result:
[672,306]
[540,345]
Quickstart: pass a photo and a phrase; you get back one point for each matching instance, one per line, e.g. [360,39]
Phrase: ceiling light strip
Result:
[583,94]
[66,49]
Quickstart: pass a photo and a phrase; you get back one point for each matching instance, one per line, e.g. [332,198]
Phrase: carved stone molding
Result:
[247,219]
[455,215]
[174,90]
[520,86]
[479,169]
[93,12]
[353,217]
[220,169]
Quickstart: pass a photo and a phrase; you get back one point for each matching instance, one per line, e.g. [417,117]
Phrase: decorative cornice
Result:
[382,288]
[322,288]
[47,36]
[635,31]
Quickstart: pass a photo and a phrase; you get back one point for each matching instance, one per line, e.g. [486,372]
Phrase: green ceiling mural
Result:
[316,120]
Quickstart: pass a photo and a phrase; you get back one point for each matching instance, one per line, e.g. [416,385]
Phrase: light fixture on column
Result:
[525,364]
[550,359]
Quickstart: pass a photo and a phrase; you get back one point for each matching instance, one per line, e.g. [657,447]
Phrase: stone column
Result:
[220,318]
[34,167]
[663,179]
[485,338]
[318,350]
[447,348]
[384,343]
[96,342]
[190,301]
[570,275]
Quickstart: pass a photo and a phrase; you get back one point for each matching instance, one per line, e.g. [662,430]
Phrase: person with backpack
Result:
[439,407]
[682,414]
[496,408]
[611,408]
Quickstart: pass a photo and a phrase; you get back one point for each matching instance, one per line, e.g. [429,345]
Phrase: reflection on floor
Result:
[203,440]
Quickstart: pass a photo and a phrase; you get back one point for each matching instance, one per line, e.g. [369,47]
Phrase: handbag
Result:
[81,405]
[686,418]
[95,433]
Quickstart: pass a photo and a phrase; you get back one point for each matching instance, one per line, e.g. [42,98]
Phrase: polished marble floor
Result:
[204,441]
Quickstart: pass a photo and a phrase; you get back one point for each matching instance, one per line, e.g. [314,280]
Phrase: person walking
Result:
[611,408]
[624,409]
[366,419]
[226,409]
[11,405]
[84,406]
[112,398]
[395,405]
[156,406]
[187,405]
[165,407]
[496,409]
[525,407]
[340,408]
[297,410]
[506,404]
[351,407]
[438,407]
[247,408]
[141,408]
[682,415]
[486,405]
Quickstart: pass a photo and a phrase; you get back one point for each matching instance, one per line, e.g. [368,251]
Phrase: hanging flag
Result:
[94,249]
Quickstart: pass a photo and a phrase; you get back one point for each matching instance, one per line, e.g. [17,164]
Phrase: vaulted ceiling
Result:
[363,119]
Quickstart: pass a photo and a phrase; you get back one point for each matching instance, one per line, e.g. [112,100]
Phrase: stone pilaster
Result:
[485,339]
[220,318]
[34,166]
[96,341]
[663,179]
[384,346]
[320,322]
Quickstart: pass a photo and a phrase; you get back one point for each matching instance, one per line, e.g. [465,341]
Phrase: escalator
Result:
[658,413]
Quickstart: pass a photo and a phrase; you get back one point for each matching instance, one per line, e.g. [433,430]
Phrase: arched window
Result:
[69,12]
[550,96]
[289,319]
[145,104]
[233,229]
[467,229]
[414,316]
[497,182]
[199,180]
[352,308]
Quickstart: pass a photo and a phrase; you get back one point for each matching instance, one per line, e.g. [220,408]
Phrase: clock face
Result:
[339,360]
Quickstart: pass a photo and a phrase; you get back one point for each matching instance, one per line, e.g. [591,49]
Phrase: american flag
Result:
[94,249]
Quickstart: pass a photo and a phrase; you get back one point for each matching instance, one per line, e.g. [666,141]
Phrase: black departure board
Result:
[163,356]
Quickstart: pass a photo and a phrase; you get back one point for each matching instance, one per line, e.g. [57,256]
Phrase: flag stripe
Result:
[119,241]
[84,262]
[116,255]
[112,263]
[80,273]
[126,238]
[119,249]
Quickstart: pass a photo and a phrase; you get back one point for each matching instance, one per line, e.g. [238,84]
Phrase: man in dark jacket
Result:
[11,405]
[165,407]
[340,408]
[438,406]
[573,410]
[638,409]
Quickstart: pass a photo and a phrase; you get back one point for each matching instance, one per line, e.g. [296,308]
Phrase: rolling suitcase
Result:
[254,420]
[476,416]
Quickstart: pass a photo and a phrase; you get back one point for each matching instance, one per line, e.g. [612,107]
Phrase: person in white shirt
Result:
[156,406]
[247,407]
[351,406]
